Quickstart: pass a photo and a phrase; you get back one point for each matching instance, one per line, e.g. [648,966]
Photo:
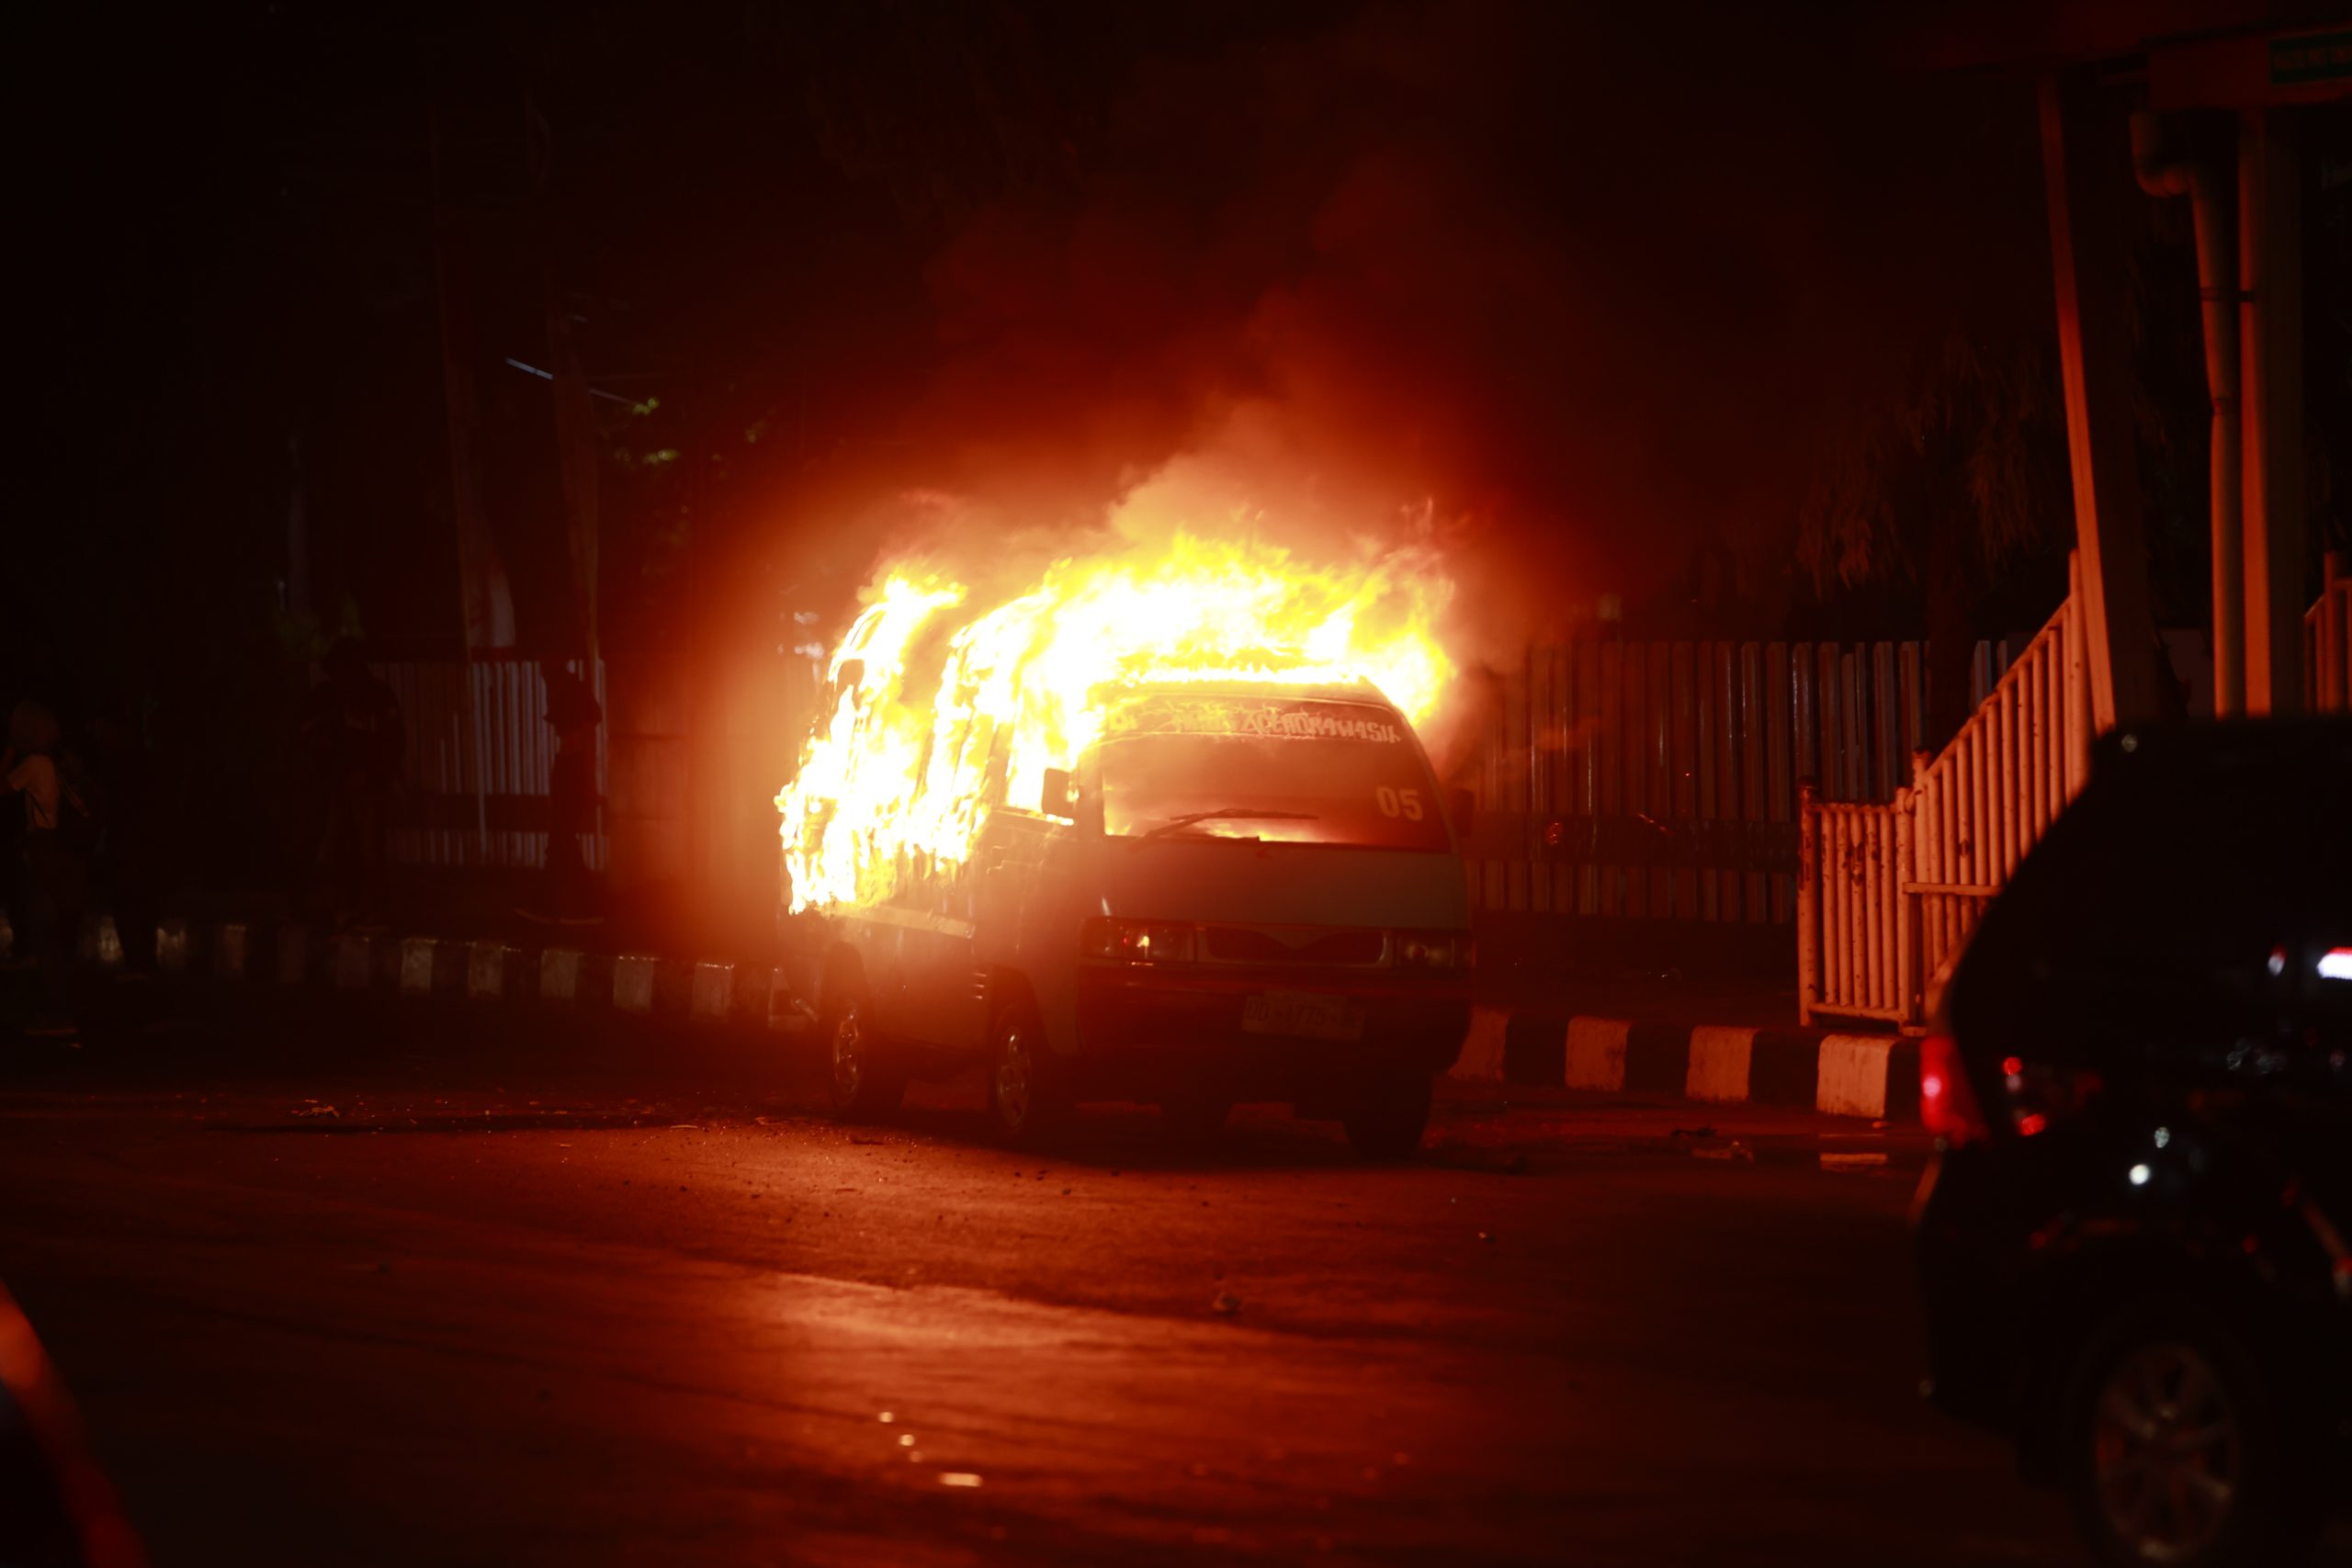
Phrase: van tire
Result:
[1029,1096]
[1388,1116]
[864,1079]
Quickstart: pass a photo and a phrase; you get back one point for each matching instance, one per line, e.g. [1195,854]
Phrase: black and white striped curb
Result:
[1875,1076]
[488,970]
[1868,1075]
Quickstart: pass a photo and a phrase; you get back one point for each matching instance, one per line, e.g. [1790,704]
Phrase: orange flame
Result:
[944,708]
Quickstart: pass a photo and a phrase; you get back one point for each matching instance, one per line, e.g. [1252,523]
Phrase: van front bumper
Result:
[1140,1031]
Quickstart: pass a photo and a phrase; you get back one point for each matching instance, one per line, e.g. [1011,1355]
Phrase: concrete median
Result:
[1873,1076]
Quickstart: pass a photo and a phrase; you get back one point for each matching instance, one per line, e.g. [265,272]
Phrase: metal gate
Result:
[1888,893]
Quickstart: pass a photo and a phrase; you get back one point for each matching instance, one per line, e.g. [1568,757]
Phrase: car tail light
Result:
[1435,950]
[1946,1104]
[1138,941]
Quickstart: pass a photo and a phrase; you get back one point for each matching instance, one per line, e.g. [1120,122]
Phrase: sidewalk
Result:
[1722,1040]
[1757,1001]
[481,903]
[1704,1013]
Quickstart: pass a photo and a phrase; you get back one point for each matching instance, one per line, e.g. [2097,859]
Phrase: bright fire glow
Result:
[945,702]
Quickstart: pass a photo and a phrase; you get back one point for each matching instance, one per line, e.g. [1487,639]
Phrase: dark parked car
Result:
[2136,1237]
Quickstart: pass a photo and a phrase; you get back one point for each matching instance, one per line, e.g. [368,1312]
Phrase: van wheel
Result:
[1389,1115]
[866,1082]
[1029,1098]
[2174,1451]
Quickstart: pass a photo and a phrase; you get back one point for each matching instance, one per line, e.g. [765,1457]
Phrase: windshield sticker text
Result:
[1255,720]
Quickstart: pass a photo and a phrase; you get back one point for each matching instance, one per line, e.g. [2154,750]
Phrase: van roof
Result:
[1354,692]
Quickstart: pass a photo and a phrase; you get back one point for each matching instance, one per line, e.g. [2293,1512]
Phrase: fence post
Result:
[1906,963]
[2331,657]
[1808,933]
[2078,693]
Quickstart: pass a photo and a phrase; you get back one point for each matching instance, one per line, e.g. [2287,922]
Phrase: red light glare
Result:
[1947,1105]
[2027,1125]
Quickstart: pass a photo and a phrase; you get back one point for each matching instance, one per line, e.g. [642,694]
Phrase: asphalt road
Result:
[410,1285]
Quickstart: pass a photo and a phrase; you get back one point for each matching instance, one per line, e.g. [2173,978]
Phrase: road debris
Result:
[1225,1304]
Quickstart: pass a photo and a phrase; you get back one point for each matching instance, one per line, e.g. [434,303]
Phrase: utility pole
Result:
[575,416]
[485,606]
[2080,167]
[486,611]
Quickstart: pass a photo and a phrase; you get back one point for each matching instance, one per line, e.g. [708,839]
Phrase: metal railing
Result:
[1888,893]
[1657,780]
[1854,949]
[2328,642]
[1990,795]
[480,754]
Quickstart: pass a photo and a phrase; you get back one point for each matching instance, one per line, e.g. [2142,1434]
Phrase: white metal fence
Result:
[1658,780]
[480,757]
[2328,642]
[1887,893]
[1991,794]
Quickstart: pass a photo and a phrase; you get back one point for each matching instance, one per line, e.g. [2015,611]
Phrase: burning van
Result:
[1189,877]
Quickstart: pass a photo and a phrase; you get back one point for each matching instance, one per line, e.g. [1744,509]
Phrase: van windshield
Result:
[1280,769]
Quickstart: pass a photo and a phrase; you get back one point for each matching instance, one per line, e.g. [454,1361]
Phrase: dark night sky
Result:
[1593,291]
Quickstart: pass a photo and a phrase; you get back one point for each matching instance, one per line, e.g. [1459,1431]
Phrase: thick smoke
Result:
[1561,296]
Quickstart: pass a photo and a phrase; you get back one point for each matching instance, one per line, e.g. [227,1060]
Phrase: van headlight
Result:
[1436,949]
[1138,941]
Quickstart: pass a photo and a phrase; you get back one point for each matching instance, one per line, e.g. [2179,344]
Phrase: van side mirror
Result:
[1462,806]
[1059,798]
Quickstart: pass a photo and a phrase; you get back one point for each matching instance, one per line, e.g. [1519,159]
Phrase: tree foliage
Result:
[1974,419]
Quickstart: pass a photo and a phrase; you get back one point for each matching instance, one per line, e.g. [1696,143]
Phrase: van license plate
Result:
[1303,1013]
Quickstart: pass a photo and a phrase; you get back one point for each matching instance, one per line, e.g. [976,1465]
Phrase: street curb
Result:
[1874,1076]
[718,993]
[1867,1075]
